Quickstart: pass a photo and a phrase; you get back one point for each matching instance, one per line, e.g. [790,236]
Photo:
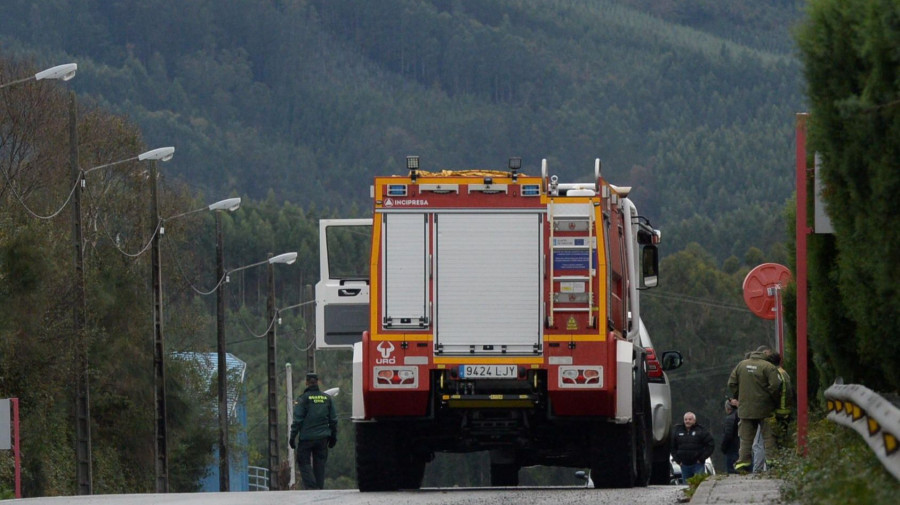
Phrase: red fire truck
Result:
[499,312]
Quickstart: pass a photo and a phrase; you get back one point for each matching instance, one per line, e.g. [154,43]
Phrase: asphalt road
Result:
[652,495]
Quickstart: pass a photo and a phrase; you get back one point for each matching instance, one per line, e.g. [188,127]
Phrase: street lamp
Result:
[286,258]
[230,205]
[61,72]
[83,404]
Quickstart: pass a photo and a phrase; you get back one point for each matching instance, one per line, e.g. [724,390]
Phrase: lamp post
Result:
[61,72]
[162,454]
[286,258]
[82,394]
[82,404]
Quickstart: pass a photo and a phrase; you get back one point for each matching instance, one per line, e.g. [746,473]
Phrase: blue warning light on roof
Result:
[396,190]
[531,190]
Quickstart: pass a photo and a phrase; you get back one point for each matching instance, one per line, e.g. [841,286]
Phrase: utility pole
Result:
[159,366]
[83,395]
[224,484]
[273,387]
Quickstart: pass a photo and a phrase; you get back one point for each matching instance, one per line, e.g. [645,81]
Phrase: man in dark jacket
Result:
[691,445]
[731,442]
[756,385]
[315,431]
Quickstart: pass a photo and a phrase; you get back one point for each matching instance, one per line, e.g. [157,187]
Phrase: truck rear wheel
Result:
[410,471]
[376,458]
[506,475]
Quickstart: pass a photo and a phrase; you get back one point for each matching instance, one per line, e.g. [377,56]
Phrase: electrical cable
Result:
[28,209]
[696,300]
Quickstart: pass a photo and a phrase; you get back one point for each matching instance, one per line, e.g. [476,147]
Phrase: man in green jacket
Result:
[756,385]
[315,431]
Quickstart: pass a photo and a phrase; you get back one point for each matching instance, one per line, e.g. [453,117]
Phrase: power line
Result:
[28,209]
[115,242]
[696,301]
[700,372]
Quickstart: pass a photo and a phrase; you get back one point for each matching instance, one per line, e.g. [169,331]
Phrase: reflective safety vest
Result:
[783,409]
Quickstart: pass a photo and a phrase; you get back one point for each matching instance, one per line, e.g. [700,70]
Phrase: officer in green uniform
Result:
[756,384]
[313,432]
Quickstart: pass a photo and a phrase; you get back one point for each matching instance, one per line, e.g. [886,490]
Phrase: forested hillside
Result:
[692,104]
[295,105]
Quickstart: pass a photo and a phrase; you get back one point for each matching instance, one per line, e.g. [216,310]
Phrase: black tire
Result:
[376,458]
[506,475]
[411,471]
[613,458]
[661,472]
[643,427]
[621,455]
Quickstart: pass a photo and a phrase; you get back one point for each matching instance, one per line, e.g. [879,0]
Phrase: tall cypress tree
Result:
[851,65]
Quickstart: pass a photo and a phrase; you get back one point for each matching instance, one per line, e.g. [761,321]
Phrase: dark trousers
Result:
[688,471]
[747,431]
[311,458]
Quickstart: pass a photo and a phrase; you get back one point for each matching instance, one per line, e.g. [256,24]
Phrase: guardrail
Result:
[259,478]
[873,417]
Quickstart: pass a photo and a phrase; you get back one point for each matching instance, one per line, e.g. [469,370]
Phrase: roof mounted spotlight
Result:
[412,164]
[515,163]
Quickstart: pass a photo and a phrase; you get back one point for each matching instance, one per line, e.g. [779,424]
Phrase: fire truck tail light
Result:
[396,377]
[581,376]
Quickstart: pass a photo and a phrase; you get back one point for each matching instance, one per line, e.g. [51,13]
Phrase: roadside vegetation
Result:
[839,468]
[693,483]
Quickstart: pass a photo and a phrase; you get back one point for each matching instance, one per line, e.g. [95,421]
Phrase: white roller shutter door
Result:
[405,259]
[488,283]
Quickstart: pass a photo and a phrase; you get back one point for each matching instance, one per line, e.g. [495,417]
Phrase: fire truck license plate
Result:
[487,371]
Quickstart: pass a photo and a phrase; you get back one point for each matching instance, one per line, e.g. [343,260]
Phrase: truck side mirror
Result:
[649,266]
[671,360]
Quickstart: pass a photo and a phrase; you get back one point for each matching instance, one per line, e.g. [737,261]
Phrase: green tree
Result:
[851,67]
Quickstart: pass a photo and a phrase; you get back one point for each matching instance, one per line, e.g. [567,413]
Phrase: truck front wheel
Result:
[643,429]
[621,455]
[613,458]
[662,469]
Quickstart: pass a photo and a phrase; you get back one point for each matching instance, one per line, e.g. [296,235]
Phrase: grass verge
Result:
[839,468]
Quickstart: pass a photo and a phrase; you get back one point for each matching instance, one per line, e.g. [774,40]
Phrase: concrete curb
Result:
[738,489]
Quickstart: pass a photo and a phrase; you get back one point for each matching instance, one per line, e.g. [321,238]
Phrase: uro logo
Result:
[385,348]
